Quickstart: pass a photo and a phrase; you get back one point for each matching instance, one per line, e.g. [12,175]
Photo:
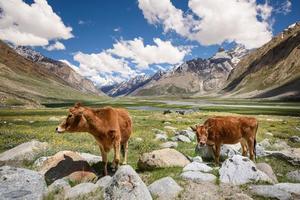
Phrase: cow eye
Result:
[69,115]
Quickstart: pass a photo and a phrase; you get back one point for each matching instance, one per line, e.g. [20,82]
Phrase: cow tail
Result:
[255,141]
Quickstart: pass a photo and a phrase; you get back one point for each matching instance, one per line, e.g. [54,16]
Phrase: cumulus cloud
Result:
[284,7]
[31,25]
[56,46]
[213,22]
[127,59]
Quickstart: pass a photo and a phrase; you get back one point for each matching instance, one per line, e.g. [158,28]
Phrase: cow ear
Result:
[194,128]
[78,104]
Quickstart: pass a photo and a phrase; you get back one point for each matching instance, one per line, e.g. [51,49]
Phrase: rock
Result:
[138,139]
[280,145]
[294,176]
[126,185]
[196,166]
[162,158]
[171,128]
[197,159]
[169,145]
[239,170]
[229,150]
[165,189]
[292,155]
[19,183]
[295,139]
[269,134]
[267,169]
[67,164]
[39,162]
[90,158]
[57,189]
[26,152]
[239,196]
[168,112]
[198,177]
[53,119]
[264,144]
[104,181]
[280,191]
[188,133]
[157,131]
[161,137]
[167,123]
[182,138]
[206,152]
[84,191]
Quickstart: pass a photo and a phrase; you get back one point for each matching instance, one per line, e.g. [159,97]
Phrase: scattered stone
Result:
[206,152]
[169,145]
[182,138]
[196,166]
[162,158]
[167,123]
[138,139]
[58,186]
[157,131]
[127,185]
[267,169]
[25,152]
[39,162]
[198,177]
[165,189]
[294,176]
[229,150]
[161,137]
[90,158]
[269,134]
[297,128]
[197,159]
[239,170]
[292,155]
[67,164]
[104,181]
[188,133]
[171,128]
[167,112]
[53,119]
[19,183]
[84,191]
[295,139]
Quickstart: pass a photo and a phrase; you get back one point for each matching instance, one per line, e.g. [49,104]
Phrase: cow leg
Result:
[116,160]
[244,147]
[104,159]
[125,153]
[217,153]
[250,142]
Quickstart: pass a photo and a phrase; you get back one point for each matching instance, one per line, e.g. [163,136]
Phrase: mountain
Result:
[197,76]
[24,82]
[60,69]
[271,71]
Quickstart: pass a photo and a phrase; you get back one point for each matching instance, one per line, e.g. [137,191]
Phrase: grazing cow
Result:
[228,130]
[111,127]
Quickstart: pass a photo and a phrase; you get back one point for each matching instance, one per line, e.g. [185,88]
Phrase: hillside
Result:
[23,82]
[270,71]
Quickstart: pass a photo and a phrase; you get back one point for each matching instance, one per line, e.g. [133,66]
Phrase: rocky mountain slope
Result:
[60,69]
[197,76]
[24,82]
[272,70]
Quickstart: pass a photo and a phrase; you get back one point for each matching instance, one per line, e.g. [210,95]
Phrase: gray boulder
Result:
[90,158]
[88,191]
[227,150]
[197,159]
[294,176]
[239,170]
[188,133]
[169,145]
[57,189]
[165,189]
[126,185]
[291,155]
[295,139]
[26,152]
[197,166]
[206,152]
[267,169]
[161,137]
[182,138]
[104,181]
[19,184]
[162,158]
[198,177]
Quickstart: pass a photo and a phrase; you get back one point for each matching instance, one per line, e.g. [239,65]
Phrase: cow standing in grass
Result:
[111,127]
[228,130]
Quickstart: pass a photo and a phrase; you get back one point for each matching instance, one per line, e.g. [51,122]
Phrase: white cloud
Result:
[213,22]
[56,46]
[118,29]
[284,8]
[32,25]
[71,65]
[145,55]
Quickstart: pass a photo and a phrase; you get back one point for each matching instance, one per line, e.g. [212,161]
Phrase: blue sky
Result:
[85,31]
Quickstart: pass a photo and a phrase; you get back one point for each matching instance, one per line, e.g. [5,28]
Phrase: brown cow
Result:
[228,130]
[111,127]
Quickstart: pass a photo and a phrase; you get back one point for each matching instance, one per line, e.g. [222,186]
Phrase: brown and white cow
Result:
[228,130]
[111,127]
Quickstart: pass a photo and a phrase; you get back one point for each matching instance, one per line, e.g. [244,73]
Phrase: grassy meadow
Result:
[22,125]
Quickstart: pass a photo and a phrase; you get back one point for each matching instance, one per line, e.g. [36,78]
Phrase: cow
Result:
[228,130]
[111,127]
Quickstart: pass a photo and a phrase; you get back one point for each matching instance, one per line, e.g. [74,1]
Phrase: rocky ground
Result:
[170,169]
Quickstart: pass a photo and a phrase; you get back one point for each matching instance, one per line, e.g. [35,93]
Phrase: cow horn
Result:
[194,128]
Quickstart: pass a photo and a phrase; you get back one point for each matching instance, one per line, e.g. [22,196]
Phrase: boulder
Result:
[88,191]
[26,152]
[206,152]
[165,189]
[197,166]
[161,137]
[294,176]
[291,155]
[157,131]
[294,139]
[19,184]
[188,133]
[182,138]
[239,170]
[281,191]
[60,185]
[90,158]
[67,164]
[104,181]
[170,128]
[169,145]
[126,185]
[162,158]
[198,177]
[227,150]
[280,145]
[267,169]
[197,159]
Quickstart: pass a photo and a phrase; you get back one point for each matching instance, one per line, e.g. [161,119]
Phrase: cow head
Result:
[201,134]
[75,121]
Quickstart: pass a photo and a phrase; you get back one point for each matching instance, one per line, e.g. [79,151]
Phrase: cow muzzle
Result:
[59,130]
